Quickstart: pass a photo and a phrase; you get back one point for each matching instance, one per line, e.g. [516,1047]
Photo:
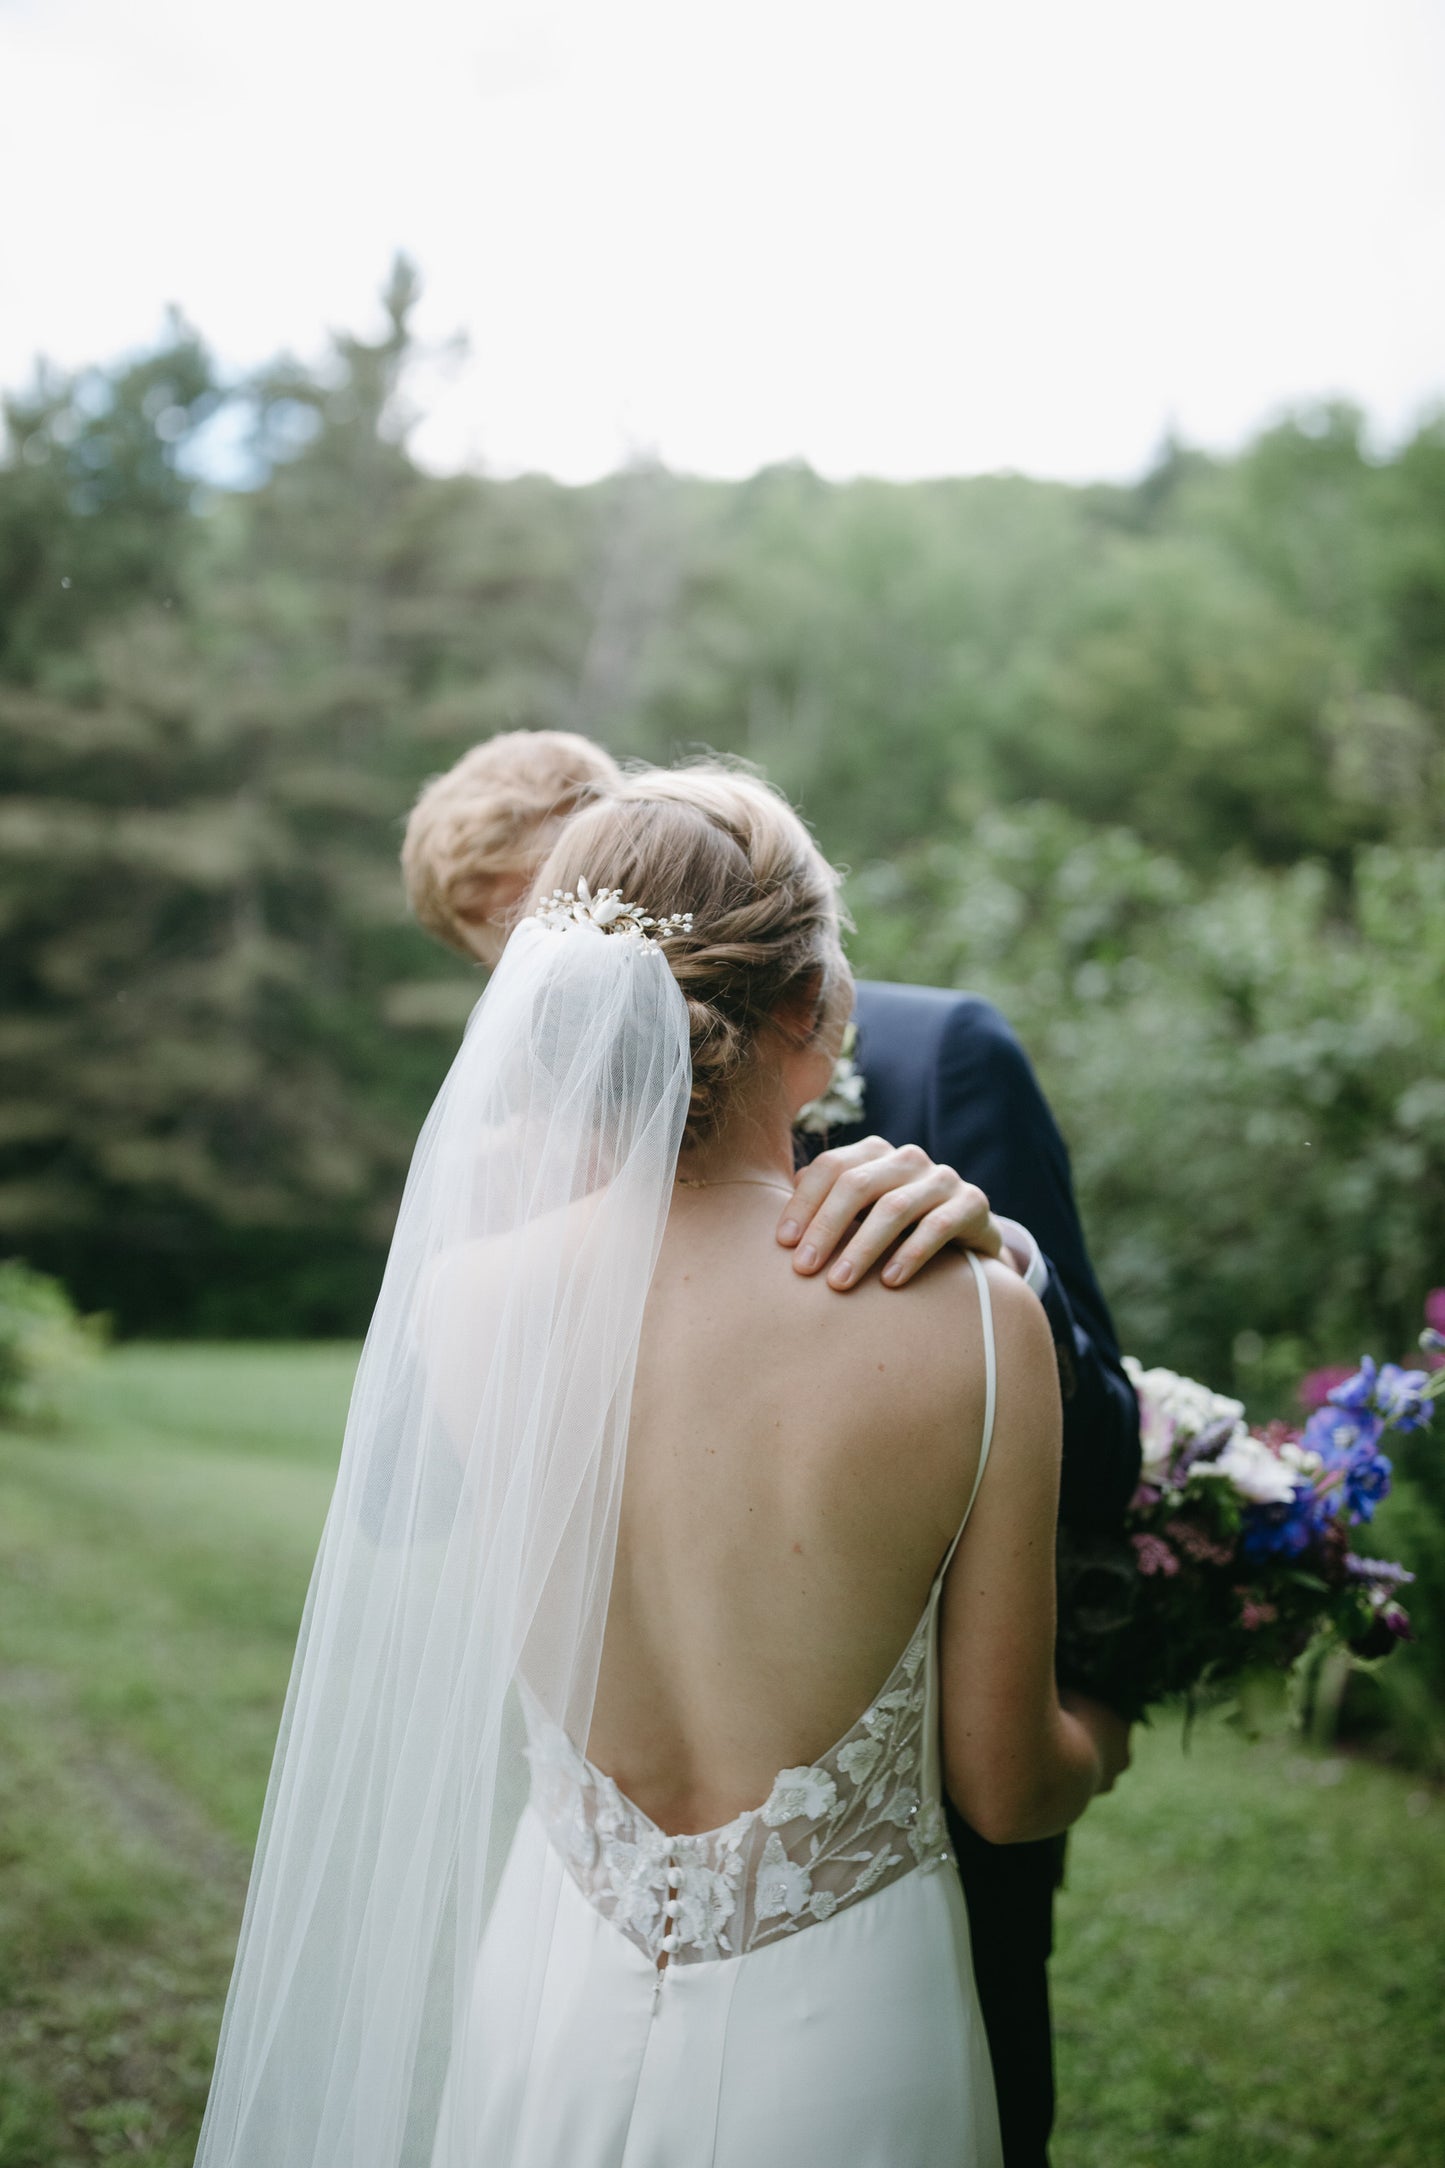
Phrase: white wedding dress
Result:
[448,1957]
[794,1990]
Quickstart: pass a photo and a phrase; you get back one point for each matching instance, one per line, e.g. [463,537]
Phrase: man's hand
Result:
[872,1193]
[1109,1732]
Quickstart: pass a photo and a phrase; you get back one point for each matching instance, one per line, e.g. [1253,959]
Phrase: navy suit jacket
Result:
[944,1070]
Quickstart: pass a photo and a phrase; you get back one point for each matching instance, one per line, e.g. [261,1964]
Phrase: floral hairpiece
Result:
[609,914]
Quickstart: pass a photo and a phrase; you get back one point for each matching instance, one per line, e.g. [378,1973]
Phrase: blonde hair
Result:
[728,848]
[493,815]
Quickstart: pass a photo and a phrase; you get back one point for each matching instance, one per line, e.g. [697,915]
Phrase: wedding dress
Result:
[793,1990]
[451,1958]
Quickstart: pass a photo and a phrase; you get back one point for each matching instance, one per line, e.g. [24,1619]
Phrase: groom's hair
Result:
[496,813]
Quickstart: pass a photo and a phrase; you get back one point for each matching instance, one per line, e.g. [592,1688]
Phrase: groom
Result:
[940,1071]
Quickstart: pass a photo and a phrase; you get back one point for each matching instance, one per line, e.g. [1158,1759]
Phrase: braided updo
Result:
[726,847]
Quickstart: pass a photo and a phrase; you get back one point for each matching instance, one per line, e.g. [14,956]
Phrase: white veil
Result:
[469,1544]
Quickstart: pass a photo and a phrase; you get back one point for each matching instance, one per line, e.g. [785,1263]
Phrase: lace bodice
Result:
[829,1833]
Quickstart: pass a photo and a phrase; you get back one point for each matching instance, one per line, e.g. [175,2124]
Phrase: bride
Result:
[661,1593]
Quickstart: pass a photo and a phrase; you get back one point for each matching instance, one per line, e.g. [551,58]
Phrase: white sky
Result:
[904,238]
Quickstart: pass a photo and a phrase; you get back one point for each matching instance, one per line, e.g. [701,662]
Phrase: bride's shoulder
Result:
[938,1324]
[935,1320]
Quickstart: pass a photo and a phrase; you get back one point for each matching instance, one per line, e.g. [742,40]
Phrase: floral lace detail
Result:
[828,1833]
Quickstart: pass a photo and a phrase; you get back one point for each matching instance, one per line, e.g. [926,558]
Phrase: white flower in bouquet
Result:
[1172,1410]
[1256,1473]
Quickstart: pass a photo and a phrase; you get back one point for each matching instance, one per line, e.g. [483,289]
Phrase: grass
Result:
[153,1561]
[1251,1949]
[1251,1963]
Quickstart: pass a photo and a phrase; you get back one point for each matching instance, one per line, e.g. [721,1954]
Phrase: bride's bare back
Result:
[798,1463]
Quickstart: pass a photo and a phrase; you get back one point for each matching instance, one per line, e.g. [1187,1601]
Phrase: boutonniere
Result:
[842,1102]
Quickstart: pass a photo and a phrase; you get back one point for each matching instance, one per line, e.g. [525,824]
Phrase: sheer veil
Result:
[468,1553]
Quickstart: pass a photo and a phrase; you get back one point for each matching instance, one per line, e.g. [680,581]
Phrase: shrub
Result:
[43,1343]
[1246,1067]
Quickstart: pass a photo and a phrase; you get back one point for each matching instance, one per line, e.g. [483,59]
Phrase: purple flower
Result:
[1383,1572]
[1357,1390]
[1339,1429]
[1399,1396]
[1435,1309]
[1389,1623]
[1208,1445]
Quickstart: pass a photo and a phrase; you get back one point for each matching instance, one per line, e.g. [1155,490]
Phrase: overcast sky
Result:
[904,238]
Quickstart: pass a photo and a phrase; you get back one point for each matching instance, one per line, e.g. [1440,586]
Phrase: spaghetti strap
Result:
[990,1398]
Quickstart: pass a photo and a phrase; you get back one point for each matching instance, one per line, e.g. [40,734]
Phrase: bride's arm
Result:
[1017,1765]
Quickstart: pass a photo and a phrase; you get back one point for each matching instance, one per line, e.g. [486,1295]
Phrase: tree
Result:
[95,497]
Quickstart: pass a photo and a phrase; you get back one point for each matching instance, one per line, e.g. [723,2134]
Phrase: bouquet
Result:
[1236,1552]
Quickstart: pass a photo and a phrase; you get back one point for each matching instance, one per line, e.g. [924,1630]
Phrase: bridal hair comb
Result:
[609,914]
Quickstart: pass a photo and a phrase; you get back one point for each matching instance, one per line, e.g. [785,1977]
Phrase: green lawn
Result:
[1251,1964]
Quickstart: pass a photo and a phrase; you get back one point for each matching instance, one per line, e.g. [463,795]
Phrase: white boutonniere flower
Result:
[842,1102]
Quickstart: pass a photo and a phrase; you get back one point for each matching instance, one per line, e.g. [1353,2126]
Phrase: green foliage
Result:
[1247,1068]
[43,1343]
[1157,767]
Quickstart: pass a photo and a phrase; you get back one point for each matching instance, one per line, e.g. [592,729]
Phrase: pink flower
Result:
[1154,1555]
[1315,1389]
[1254,1614]
[1195,1544]
[1433,1337]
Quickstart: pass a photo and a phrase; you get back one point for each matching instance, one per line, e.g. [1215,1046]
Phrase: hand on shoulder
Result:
[875,1204]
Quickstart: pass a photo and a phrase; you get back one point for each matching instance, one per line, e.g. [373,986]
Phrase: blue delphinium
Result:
[1400,1396]
[1367,1481]
[1345,1433]
[1341,1427]
[1276,1532]
[1357,1391]
[1288,1531]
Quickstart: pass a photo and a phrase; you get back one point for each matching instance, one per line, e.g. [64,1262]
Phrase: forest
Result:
[1160,768]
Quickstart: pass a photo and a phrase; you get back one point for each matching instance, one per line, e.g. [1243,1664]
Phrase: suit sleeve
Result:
[994,1126]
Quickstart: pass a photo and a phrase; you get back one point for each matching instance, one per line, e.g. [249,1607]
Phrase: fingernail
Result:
[842,1276]
[892,1274]
[807,1257]
[789,1231]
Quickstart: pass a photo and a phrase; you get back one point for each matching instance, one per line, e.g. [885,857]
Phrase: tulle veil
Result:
[468,1552]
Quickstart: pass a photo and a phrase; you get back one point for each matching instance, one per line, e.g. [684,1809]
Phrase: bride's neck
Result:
[755,1143]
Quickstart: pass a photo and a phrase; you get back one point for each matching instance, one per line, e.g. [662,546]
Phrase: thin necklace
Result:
[734,1181]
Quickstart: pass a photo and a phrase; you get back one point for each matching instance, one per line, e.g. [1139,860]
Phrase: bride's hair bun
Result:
[725,846]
